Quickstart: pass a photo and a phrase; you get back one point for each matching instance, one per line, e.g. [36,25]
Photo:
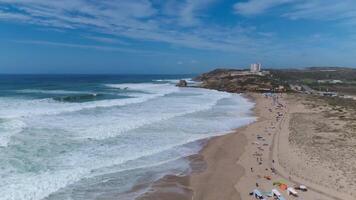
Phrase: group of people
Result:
[264,140]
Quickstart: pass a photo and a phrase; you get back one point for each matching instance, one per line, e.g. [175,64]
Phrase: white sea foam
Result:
[146,87]
[39,186]
[54,151]
[113,122]
[9,128]
[26,91]
[167,80]
[175,81]
[12,107]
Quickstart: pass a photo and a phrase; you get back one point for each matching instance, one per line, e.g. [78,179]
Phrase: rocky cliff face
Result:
[231,80]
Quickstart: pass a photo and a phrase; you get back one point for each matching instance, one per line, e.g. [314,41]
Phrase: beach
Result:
[242,161]
[185,143]
[178,100]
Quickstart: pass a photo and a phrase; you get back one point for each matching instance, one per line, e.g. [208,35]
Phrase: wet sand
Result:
[218,180]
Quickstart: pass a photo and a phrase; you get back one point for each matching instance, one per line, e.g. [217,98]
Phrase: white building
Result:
[255,67]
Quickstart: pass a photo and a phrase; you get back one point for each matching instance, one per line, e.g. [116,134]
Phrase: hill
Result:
[232,80]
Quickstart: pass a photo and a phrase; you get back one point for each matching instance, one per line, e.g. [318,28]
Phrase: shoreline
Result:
[230,166]
[183,186]
[237,164]
[220,154]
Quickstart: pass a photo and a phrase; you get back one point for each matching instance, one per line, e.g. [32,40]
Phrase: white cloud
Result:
[139,20]
[107,40]
[191,8]
[185,13]
[326,10]
[80,46]
[344,10]
[254,7]
[15,17]
[179,23]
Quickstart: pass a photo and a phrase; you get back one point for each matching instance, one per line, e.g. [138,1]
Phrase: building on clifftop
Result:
[255,67]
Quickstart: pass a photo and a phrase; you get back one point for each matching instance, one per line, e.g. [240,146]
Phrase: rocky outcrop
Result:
[232,80]
[182,83]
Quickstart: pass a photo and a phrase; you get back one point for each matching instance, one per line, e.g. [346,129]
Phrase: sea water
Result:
[97,137]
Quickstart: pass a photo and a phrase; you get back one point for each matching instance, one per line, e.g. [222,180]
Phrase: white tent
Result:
[303,187]
[275,192]
[291,191]
[257,194]
[278,195]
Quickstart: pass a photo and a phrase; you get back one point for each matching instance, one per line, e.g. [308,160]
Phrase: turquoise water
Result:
[95,137]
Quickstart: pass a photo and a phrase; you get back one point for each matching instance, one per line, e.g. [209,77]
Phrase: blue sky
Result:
[173,36]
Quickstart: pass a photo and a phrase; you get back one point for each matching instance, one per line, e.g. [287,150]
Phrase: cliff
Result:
[232,80]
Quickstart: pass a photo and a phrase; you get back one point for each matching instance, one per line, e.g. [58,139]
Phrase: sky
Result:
[173,36]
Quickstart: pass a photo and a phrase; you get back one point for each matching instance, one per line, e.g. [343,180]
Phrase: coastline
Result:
[230,166]
[184,186]
[221,155]
[238,162]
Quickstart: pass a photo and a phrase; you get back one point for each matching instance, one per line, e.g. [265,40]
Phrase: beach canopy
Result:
[291,191]
[268,194]
[279,183]
[257,194]
[275,192]
[281,198]
[283,187]
[303,187]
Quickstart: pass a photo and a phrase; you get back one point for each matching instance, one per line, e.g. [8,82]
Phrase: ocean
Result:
[99,136]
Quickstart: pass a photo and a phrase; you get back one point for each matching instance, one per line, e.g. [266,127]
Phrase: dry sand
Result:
[230,158]
[319,146]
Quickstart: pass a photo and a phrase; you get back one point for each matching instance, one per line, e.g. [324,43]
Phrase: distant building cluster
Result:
[330,81]
[255,67]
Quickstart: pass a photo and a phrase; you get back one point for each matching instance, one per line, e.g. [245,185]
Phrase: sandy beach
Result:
[242,161]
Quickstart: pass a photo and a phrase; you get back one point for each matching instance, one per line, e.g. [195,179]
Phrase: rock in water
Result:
[182,83]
